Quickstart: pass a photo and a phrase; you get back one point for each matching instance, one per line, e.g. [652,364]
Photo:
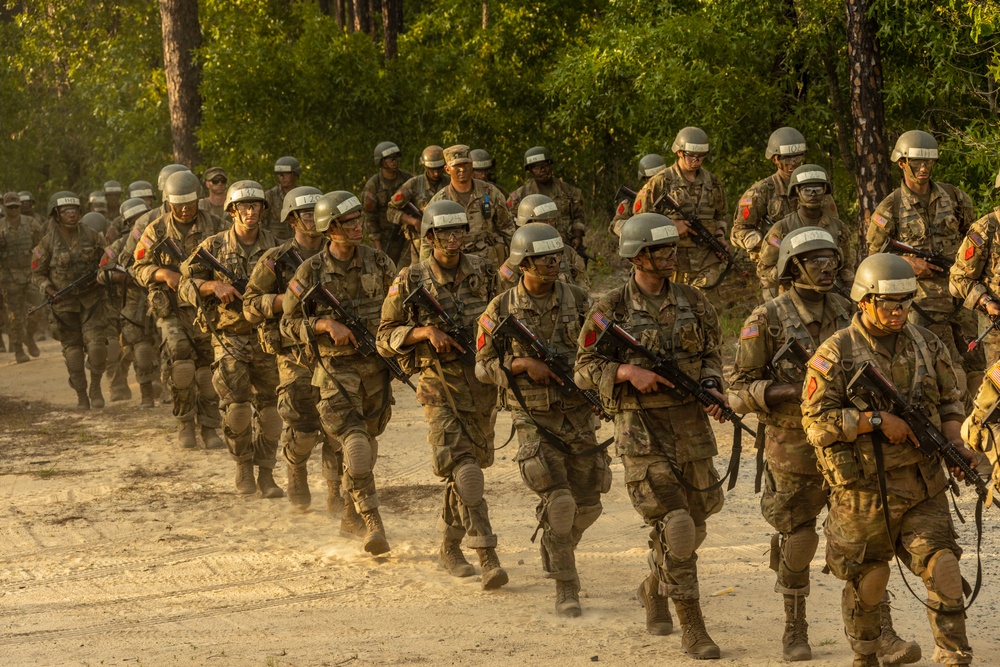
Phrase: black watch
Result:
[876,420]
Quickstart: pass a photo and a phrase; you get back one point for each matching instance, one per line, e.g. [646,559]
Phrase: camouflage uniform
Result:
[188,347]
[696,265]
[79,321]
[420,191]
[205,204]
[938,227]
[545,469]
[857,544]
[767,256]
[244,375]
[281,231]
[981,430]
[119,354]
[656,433]
[459,409]
[375,199]
[486,238]
[355,391]
[763,205]
[572,270]
[138,329]
[16,244]
[977,272]
[572,220]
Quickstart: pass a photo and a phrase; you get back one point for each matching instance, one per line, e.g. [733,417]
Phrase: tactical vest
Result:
[163,301]
[942,234]
[69,263]
[15,252]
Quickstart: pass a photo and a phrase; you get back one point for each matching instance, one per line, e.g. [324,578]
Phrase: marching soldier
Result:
[376,194]
[287,171]
[216,182]
[482,166]
[572,268]
[419,190]
[18,236]
[975,276]
[572,219]
[649,165]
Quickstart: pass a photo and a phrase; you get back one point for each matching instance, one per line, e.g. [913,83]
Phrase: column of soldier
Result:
[276,322]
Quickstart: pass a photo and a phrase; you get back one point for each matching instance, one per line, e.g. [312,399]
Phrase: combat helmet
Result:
[915,144]
[443,214]
[532,240]
[166,172]
[808,174]
[286,164]
[301,198]
[62,198]
[133,208]
[241,191]
[536,154]
[883,273]
[799,242]
[332,206]
[691,140]
[645,230]
[181,187]
[95,221]
[650,165]
[785,141]
[112,188]
[385,149]
[432,157]
[482,160]
[536,208]
[140,189]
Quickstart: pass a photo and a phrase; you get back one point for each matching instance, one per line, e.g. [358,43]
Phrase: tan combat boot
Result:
[351,523]
[375,542]
[452,560]
[19,354]
[211,438]
[795,641]
[334,501]
[266,485]
[146,400]
[32,346]
[695,641]
[185,435]
[893,650]
[245,483]
[82,400]
[298,486]
[568,598]
[494,576]
[861,660]
[658,621]
[96,397]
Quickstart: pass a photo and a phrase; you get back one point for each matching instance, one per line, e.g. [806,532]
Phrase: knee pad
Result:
[469,483]
[270,423]
[238,417]
[97,354]
[679,534]
[871,586]
[586,516]
[944,578]
[560,510]
[114,350]
[798,549]
[358,454]
[144,358]
[203,376]
[182,373]
[74,359]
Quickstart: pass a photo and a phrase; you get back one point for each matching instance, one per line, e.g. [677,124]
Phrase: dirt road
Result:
[118,548]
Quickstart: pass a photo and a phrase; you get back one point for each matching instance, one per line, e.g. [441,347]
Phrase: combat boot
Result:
[375,542]
[298,486]
[120,391]
[892,649]
[19,354]
[245,483]
[212,440]
[82,400]
[658,620]
[96,397]
[32,346]
[351,523]
[266,485]
[146,400]
[334,501]
[185,435]
[861,660]
[795,642]
[568,598]
[494,576]
[452,560]
[695,641]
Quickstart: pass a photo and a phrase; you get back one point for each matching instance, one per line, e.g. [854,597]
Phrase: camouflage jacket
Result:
[977,264]
[375,199]
[704,197]
[418,190]
[270,219]
[572,270]
[767,260]
[572,220]
[765,203]
[981,430]
[16,244]
[60,259]
[488,237]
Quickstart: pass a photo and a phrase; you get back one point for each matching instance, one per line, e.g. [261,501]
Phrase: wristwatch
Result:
[875,420]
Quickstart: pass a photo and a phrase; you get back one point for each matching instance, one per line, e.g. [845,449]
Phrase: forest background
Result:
[84,90]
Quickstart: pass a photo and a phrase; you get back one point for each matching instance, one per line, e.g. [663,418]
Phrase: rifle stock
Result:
[81,284]
[899,248]
[702,236]
[627,193]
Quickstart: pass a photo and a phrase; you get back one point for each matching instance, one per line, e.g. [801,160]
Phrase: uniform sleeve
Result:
[750,377]
[622,213]
[402,197]
[145,266]
[369,203]
[828,416]
[950,406]
[514,198]
[395,324]
[966,210]
[981,431]
[487,356]
[193,275]
[748,220]
[881,227]
[648,193]
[262,289]
[593,370]
[41,256]
[579,270]
[711,355]
[293,319]
[767,262]
[966,276]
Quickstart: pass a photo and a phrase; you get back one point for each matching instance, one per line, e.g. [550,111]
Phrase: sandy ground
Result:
[117,547]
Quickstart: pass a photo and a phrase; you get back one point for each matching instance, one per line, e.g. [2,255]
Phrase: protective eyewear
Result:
[892,305]
[694,157]
[812,189]
[247,206]
[918,164]
[822,262]
[219,180]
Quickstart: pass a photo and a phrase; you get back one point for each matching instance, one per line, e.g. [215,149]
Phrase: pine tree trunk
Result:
[486,14]
[391,26]
[362,16]
[181,37]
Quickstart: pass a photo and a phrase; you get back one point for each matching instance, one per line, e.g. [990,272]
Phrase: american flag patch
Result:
[394,289]
[994,375]
[146,241]
[136,233]
[774,240]
[746,201]
[506,272]
[296,287]
[749,332]
[976,238]
[600,320]
[879,220]
[38,252]
[822,364]
[270,264]
[486,323]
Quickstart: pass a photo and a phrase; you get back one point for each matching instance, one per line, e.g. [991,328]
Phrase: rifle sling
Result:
[386,387]
[759,445]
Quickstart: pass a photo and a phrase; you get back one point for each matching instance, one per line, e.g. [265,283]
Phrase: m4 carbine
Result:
[421,297]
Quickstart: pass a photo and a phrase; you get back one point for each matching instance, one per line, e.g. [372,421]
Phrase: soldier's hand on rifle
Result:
[683,228]
[645,381]
[441,341]
[339,333]
[897,431]
[224,292]
[970,458]
[921,267]
[51,292]
[536,369]
[991,305]
[715,411]
[412,221]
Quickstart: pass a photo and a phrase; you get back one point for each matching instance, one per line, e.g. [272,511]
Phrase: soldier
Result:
[807,312]
[136,190]
[287,171]
[810,188]
[459,409]
[572,268]
[376,194]
[78,320]
[570,475]
[649,165]
[572,220]
[490,222]
[142,190]
[856,448]
[113,196]
[482,166]
[418,190]
[934,217]
[97,203]
[699,192]
[28,205]
[216,182]
[188,346]
[975,276]
[355,391]
[18,235]
[981,429]
[662,469]
[263,305]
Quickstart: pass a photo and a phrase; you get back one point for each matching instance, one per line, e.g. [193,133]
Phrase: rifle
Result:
[365,339]
[290,258]
[869,387]
[937,259]
[994,323]
[625,192]
[397,240]
[791,351]
[701,235]
[78,286]
[514,328]
[461,333]
[209,261]
[841,289]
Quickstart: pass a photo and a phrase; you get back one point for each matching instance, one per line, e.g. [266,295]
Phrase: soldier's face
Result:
[659,260]
[449,240]
[347,230]
[820,266]
[690,162]
[287,179]
[305,221]
[541,171]
[481,174]
[811,196]
[13,212]
[887,311]
[543,267]
[184,213]
[434,174]
[68,215]
[27,208]
[248,213]
[217,186]
[917,170]
[114,201]
[461,172]
[786,164]
[391,163]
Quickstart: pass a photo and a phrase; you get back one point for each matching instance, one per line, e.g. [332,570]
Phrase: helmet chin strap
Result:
[810,285]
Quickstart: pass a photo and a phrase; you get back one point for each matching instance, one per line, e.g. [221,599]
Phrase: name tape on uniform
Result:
[141,193]
[282,168]
[135,210]
[898,286]
[923,153]
[305,200]
[532,159]
[696,148]
[546,208]
[664,232]
[447,219]
[791,149]
[67,201]
[348,204]
[548,245]
[811,176]
[811,235]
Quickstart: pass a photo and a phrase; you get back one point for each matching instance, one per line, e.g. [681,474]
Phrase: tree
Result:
[362,16]
[181,38]
[392,25]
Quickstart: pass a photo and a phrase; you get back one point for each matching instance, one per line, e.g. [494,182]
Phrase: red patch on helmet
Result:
[481,341]
[969,252]
[811,388]
[638,205]
[590,338]
[746,212]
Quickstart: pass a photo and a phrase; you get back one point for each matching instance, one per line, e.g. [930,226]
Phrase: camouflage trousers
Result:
[857,543]
[297,404]
[245,379]
[458,440]
[82,331]
[790,503]
[190,355]
[354,408]
[143,344]
[17,296]
[553,474]
[956,332]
